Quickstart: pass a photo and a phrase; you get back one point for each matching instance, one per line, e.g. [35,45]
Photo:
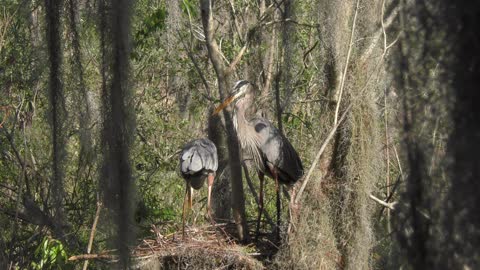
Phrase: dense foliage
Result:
[97,100]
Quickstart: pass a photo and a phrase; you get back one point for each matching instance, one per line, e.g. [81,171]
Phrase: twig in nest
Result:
[150,246]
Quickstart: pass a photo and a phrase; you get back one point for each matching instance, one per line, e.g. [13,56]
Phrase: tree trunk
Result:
[238,196]
[118,123]
[57,109]
[221,195]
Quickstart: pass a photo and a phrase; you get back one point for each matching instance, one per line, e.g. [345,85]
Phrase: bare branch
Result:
[214,50]
[92,232]
[235,21]
[271,61]
[237,59]
[288,20]
[93,256]
[390,206]
[398,161]
[387,144]
[319,154]
[385,24]
[344,75]
[384,32]
[305,55]
[197,67]
[5,22]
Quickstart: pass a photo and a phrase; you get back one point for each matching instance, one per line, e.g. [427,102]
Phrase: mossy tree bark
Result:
[118,122]
[223,78]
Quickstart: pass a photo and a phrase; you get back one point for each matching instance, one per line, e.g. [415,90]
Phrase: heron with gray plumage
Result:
[271,151]
[198,161]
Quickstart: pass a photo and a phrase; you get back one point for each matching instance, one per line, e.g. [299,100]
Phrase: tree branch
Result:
[319,154]
[271,61]
[93,256]
[197,68]
[237,59]
[214,50]
[384,25]
[92,232]
[288,20]
[390,206]
[344,75]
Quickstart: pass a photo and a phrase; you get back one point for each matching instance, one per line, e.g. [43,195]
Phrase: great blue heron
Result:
[198,161]
[271,152]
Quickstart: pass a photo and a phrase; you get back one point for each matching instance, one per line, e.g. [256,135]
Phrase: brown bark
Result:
[57,106]
[118,123]
[222,72]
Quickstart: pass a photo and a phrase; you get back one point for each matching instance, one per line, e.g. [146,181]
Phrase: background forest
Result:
[378,98]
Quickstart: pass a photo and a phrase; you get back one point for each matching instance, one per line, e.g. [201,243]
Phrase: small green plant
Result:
[50,254]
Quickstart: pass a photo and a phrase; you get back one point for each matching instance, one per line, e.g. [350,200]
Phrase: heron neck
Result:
[240,114]
[245,131]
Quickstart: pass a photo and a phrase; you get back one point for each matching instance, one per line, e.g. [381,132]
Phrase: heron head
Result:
[239,90]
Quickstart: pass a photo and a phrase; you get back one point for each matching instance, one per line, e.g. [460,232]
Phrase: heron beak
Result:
[224,104]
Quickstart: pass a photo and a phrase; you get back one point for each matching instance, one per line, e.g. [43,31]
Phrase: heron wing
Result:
[198,155]
[277,150]
[208,152]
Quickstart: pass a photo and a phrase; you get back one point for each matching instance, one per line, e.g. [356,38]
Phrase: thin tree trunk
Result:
[118,125]
[57,109]
[238,197]
[221,195]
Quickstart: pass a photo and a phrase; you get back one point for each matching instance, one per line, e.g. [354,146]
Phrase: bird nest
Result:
[204,247]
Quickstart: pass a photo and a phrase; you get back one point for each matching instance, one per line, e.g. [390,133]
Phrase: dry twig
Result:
[344,74]
[319,154]
[92,232]
[385,23]
[204,245]
[390,206]
[93,256]
[387,152]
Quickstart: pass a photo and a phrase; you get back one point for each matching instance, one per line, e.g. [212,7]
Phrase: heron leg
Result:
[261,177]
[190,195]
[277,189]
[211,177]
[186,203]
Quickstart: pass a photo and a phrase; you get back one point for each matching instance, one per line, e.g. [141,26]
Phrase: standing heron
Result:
[271,152]
[198,161]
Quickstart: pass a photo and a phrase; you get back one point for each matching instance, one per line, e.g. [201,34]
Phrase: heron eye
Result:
[259,127]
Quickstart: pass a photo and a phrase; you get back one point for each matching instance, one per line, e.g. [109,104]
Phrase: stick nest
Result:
[204,247]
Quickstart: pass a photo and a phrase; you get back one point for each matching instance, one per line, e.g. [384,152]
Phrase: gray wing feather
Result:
[209,154]
[277,150]
[198,155]
[196,162]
